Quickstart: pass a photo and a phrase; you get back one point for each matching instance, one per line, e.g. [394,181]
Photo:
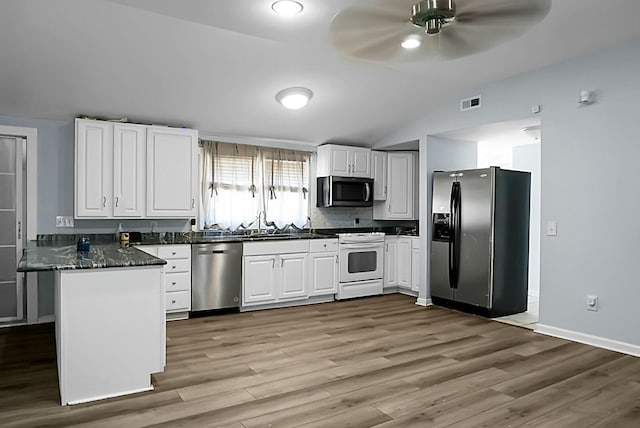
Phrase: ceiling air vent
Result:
[470,103]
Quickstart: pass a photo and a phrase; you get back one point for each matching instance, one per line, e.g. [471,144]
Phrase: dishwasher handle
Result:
[207,252]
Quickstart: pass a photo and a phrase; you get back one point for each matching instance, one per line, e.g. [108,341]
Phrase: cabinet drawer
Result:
[180,265]
[286,246]
[178,281]
[174,252]
[178,301]
[323,245]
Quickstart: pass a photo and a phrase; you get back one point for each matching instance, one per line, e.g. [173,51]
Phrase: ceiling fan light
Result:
[411,42]
[294,98]
[287,8]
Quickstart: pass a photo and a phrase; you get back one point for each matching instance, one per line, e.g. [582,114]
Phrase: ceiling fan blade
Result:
[480,26]
[512,13]
[371,33]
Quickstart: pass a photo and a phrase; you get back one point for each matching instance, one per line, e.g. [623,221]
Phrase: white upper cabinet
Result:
[379,175]
[172,156]
[343,161]
[401,201]
[134,171]
[128,170]
[93,168]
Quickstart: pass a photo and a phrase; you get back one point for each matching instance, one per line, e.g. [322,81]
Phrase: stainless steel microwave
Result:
[344,192]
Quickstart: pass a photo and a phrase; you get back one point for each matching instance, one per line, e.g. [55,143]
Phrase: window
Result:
[240,183]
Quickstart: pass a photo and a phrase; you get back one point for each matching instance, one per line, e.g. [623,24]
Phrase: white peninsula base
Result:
[110,331]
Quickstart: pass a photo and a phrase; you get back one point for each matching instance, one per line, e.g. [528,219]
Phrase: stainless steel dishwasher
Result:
[216,276]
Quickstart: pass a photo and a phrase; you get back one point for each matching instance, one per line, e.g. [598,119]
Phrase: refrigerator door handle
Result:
[454,233]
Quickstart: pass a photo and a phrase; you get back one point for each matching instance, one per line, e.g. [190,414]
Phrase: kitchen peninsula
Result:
[109,315]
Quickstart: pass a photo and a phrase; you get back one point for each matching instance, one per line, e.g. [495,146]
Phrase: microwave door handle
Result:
[367,192]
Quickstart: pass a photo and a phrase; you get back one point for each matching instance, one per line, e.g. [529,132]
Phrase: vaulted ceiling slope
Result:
[217,65]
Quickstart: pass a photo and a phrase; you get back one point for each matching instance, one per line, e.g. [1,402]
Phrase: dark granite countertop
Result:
[39,256]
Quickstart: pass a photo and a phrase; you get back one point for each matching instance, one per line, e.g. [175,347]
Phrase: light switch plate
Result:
[552,228]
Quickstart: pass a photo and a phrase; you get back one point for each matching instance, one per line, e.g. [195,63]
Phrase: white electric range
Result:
[361,266]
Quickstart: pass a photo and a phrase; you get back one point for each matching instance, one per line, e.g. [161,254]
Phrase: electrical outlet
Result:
[64,221]
[552,228]
[592,303]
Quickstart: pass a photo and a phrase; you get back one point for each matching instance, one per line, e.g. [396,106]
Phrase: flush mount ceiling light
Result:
[287,7]
[294,98]
[532,132]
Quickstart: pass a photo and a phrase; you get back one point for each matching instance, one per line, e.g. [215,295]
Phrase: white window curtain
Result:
[240,183]
[286,184]
[230,197]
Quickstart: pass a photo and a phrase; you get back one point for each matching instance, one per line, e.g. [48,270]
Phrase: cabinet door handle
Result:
[281,262]
[104,202]
[336,259]
[173,283]
[173,253]
[193,203]
[273,263]
[117,200]
[173,302]
[389,207]
[173,267]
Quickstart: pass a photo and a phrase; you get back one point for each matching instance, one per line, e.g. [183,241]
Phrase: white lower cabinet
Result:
[177,277]
[401,262]
[390,261]
[323,267]
[404,262]
[259,279]
[415,263]
[292,276]
[274,271]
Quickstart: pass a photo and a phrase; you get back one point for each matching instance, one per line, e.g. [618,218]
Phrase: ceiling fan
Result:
[410,30]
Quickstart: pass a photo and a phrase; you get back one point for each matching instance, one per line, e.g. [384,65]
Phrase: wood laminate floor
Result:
[380,361]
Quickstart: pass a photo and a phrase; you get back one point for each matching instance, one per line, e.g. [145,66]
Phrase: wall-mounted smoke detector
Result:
[470,103]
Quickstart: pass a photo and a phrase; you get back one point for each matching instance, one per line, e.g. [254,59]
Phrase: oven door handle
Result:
[364,245]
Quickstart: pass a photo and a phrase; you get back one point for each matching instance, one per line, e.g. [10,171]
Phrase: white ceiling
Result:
[502,134]
[217,65]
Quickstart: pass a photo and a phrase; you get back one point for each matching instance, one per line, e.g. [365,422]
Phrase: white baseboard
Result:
[600,342]
[424,302]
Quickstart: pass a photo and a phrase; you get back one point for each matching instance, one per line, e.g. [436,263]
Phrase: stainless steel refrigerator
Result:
[480,240]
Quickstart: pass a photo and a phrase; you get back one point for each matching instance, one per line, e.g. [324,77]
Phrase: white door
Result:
[259,279]
[171,172]
[94,170]
[12,226]
[340,162]
[292,276]
[404,262]
[379,175]
[360,162]
[400,185]
[391,262]
[129,160]
[323,277]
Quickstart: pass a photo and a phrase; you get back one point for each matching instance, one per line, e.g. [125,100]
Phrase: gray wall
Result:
[527,158]
[589,176]
[443,154]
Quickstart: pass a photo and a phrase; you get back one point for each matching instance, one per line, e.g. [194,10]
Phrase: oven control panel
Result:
[441,230]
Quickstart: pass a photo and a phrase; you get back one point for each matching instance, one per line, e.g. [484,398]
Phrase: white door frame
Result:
[31,135]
